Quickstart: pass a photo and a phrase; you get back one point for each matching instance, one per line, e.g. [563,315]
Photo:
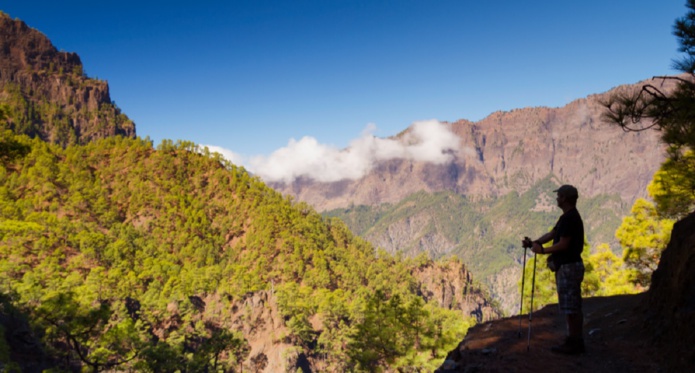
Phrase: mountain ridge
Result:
[48,93]
[509,150]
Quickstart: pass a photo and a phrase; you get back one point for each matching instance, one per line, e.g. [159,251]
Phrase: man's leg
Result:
[575,325]
[568,279]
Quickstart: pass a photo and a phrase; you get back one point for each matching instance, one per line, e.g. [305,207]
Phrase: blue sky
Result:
[250,75]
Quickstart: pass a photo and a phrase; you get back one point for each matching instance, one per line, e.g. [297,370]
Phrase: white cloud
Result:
[426,141]
[235,158]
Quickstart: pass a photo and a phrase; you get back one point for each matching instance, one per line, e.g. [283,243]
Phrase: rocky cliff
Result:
[47,94]
[452,286]
[511,151]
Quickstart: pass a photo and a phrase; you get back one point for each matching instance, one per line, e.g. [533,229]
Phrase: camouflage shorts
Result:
[568,279]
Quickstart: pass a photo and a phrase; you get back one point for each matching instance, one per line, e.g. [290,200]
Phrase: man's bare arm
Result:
[546,237]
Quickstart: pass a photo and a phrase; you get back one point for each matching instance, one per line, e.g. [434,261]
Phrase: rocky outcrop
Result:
[47,93]
[452,287]
[257,316]
[670,307]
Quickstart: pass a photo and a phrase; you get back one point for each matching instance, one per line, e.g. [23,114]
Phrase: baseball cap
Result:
[567,191]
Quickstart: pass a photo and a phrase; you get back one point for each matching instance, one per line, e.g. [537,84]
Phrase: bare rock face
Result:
[670,307]
[452,287]
[511,151]
[517,148]
[47,93]
[259,319]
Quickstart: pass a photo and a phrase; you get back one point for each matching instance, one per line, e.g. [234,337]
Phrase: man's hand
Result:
[526,242]
[537,248]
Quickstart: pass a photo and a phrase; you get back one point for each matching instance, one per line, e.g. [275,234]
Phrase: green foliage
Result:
[30,112]
[673,186]
[10,148]
[403,333]
[643,236]
[607,275]
[89,332]
[297,305]
[109,244]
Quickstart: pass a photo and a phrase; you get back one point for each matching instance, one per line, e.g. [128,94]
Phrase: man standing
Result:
[566,261]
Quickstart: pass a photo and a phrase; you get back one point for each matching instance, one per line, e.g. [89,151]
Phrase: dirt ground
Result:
[615,338]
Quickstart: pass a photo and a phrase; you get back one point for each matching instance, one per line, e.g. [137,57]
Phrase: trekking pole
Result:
[523,278]
[530,312]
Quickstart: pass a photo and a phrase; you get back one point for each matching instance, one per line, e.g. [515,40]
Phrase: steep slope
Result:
[120,255]
[48,94]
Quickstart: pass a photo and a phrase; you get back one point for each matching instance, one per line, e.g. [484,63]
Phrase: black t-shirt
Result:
[569,225]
